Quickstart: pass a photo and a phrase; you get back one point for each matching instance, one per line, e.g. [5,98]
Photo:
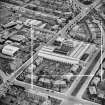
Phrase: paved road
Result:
[40,89]
[84,12]
[87,72]
[82,90]
[22,9]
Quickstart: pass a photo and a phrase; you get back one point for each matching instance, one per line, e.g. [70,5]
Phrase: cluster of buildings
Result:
[15,41]
[18,96]
[95,90]
[89,30]
[50,74]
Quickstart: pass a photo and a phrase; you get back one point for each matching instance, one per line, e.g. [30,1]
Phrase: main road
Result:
[84,12]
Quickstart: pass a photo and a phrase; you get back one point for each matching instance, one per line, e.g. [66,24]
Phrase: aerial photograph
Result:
[52,52]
